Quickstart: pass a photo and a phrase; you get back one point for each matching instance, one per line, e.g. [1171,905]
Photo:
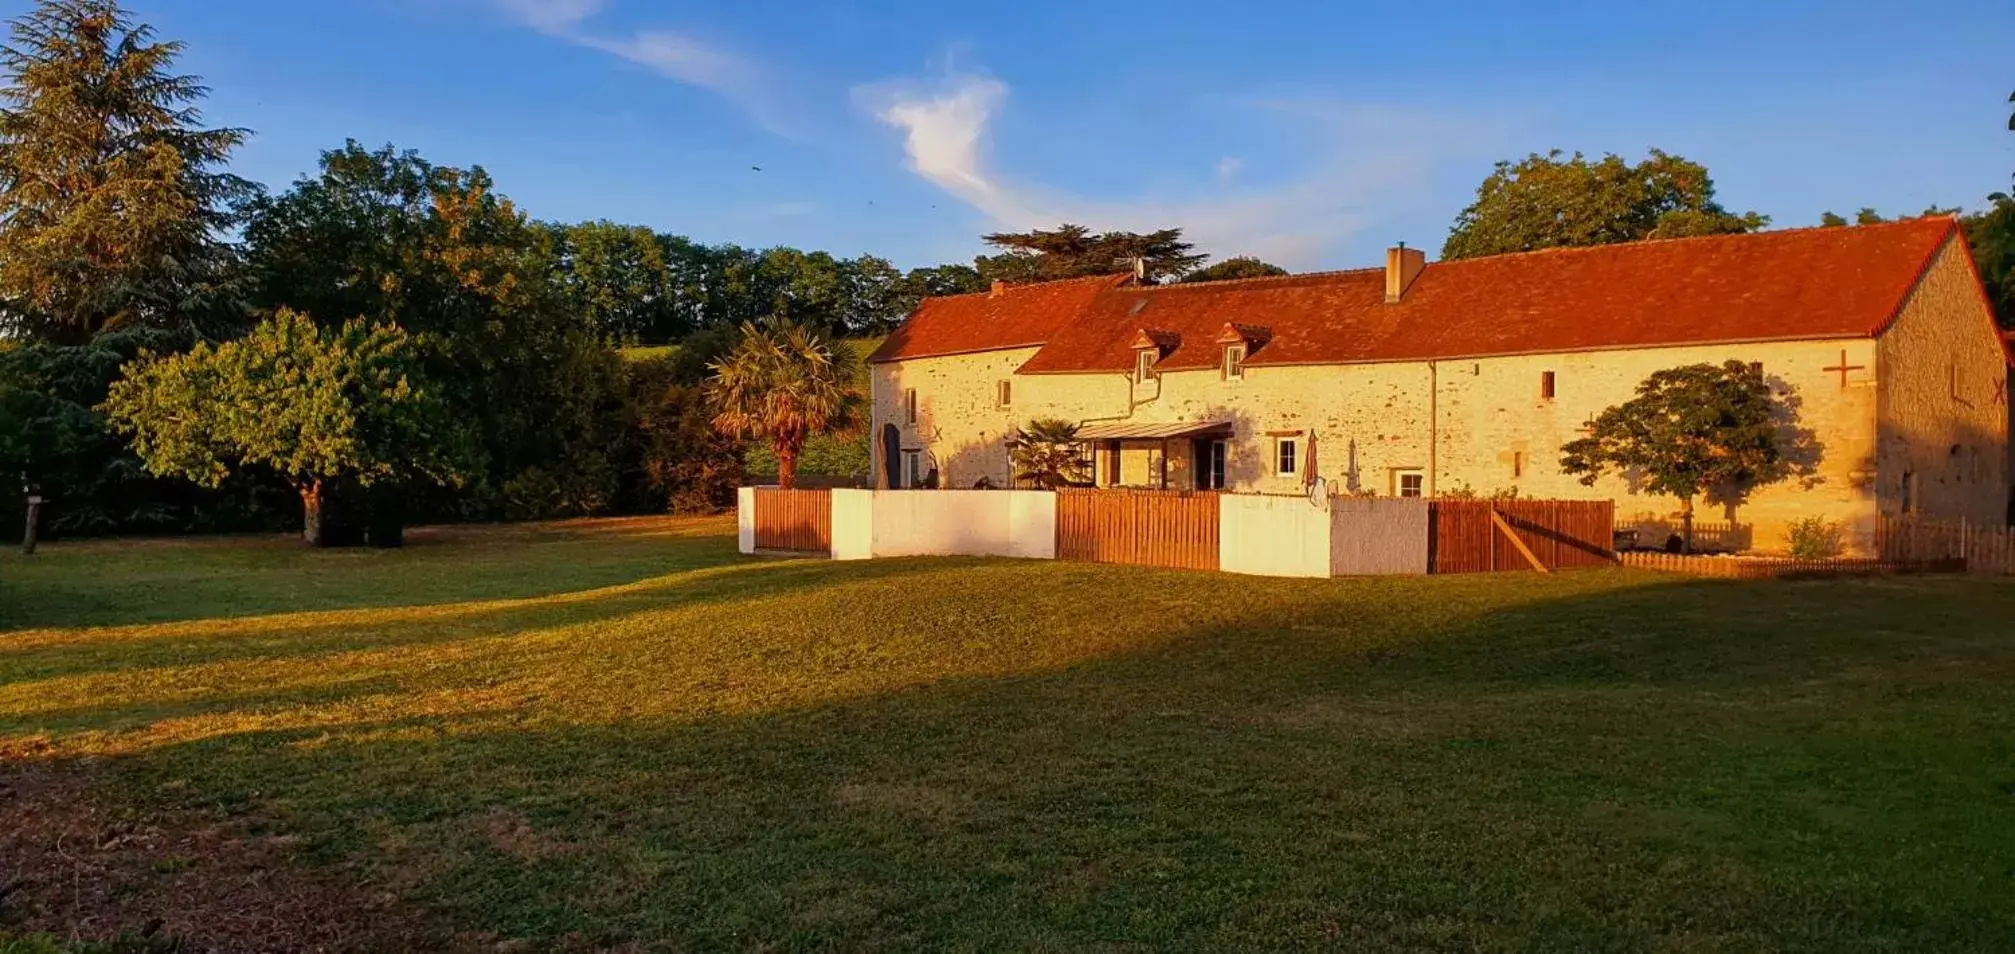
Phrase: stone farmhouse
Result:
[1423,379]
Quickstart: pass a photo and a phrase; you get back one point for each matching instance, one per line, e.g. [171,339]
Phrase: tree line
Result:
[389,339]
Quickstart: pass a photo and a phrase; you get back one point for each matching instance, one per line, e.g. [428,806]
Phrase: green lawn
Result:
[625,736]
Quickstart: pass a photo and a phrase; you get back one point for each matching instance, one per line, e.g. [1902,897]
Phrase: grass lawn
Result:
[622,735]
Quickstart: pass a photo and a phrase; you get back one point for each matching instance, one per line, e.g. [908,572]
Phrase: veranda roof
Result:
[1138,431]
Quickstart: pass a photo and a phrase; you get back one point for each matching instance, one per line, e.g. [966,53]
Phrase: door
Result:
[1208,465]
[892,455]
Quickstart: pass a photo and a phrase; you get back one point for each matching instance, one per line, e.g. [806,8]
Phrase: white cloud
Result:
[674,55]
[683,58]
[1362,165]
[552,16]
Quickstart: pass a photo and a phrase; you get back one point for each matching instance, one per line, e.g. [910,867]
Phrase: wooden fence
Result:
[1734,568]
[794,520]
[1167,528]
[1463,536]
[1988,550]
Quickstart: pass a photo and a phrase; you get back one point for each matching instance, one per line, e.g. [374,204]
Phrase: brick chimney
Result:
[1402,266]
[999,289]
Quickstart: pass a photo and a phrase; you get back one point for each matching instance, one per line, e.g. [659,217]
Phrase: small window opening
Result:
[910,405]
[1006,396]
[1234,362]
[1546,385]
[1286,457]
[1409,483]
[1143,370]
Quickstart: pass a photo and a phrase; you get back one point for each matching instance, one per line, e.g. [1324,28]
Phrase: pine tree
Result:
[113,200]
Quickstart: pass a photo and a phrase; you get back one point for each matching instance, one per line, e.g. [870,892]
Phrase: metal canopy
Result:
[1127,431]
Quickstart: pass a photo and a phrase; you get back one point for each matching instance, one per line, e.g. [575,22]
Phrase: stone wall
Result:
[1942,407]
[1484,425]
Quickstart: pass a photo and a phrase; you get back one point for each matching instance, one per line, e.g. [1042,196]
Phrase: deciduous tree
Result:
[1243,266]
[1696,431]
[318,406]
[1554,200]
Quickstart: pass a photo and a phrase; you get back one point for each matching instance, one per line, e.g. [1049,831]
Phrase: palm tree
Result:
[784,385]
[1046,452]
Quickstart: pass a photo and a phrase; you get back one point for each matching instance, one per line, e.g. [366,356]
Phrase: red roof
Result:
[1021,316]
[1786,285]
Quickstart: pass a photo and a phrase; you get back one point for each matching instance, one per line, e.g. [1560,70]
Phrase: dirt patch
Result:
[510,833]
[75,865]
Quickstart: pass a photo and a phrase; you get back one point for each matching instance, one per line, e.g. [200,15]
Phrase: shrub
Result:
[1816,538]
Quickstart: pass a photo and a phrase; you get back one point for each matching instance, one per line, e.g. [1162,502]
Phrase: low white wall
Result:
[745,518]
[1012,523]
[853,524]
[1378,536]
[1272,536]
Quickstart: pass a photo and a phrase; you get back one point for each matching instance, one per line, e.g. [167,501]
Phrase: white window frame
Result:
[1143,365]
[1286,450]
[1399,477]
[1004,393]
[913,466]
[1234,362]
[910,405]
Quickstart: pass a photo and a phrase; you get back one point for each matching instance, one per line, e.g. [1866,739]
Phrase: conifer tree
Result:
[113,200]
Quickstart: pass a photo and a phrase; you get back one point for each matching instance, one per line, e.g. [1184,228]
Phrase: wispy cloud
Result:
[669,53]
[1362,164]
[552,16]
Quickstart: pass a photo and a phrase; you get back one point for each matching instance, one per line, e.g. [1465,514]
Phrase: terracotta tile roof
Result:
[1804,283]
[1022,316]
[1793,284]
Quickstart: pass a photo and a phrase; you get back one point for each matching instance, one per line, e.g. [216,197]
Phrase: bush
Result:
[1816,538]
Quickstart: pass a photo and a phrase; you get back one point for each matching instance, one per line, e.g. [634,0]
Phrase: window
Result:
[1409,483]
[910,405]
[1234,362]
[1006,395]
[1517,464]
[1909,492]
[913,468]
[1284,453]
[1546,385]
[1210,465]
[1143,368]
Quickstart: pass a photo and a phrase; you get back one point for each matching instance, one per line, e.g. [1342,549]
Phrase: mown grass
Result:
[628,735]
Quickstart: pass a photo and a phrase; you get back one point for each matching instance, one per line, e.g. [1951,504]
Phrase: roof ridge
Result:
[1025,286]
[1947,218]
[1257,279]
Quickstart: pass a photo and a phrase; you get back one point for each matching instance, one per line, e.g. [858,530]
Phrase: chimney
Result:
[1402,266]
[1000,288]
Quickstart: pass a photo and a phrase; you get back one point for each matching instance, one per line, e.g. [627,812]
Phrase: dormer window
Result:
[1143,365]
[1239,341]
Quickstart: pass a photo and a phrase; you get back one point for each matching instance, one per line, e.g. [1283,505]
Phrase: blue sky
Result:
[1310,134]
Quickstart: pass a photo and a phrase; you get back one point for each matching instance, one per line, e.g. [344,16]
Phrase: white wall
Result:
[1381,536]
[1272,536]
[1011,523]
[745,518]
[853,524]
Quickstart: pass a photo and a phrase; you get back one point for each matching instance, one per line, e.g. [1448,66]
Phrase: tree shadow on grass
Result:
[124,582]
[1601,762]
[319,649]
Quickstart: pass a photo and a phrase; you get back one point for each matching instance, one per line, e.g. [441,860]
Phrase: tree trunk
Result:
[787,468]
[313,531]
[1686,523]
[34,524]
